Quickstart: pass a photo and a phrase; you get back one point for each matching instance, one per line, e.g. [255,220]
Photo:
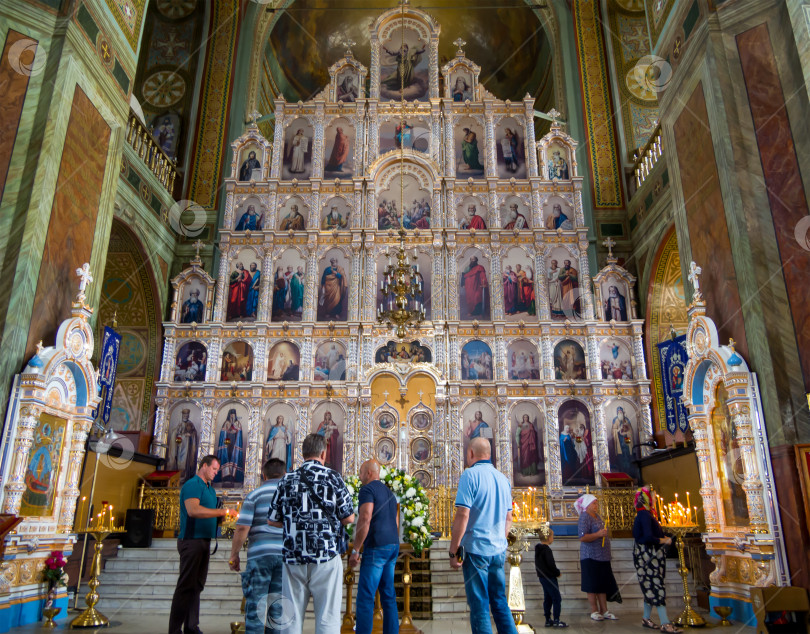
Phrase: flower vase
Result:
[50,610]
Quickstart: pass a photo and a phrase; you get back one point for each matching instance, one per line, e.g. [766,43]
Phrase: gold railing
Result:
[646,158]
[151,153]
[166,503]
[616,506]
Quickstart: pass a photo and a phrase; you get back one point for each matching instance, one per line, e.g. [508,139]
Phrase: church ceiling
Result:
[505,38]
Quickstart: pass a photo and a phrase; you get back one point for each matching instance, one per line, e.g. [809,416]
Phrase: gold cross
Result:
[609,243]
[459,43]
[197,246]
[385,394]
[420,393]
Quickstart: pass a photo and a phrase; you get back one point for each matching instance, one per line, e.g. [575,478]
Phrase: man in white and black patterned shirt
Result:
[310,505]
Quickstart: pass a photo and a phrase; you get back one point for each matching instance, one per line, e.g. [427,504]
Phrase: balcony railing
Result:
[139,137]
[647,157]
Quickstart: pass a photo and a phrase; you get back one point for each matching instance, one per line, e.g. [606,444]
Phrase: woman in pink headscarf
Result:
[594,559]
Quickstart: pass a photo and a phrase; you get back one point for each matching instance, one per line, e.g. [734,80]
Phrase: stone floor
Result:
[139,623]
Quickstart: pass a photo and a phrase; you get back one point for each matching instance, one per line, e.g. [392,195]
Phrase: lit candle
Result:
[82,504]
[688,503]
[112,520]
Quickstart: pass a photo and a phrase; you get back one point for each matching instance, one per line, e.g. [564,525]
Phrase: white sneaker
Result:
[597,617]
[610,616]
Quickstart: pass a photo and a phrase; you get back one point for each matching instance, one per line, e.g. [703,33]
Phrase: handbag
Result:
[341,535]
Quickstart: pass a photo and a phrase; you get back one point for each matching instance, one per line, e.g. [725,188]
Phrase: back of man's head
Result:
[274,469]
[369,471]
[480,448]
[314,445]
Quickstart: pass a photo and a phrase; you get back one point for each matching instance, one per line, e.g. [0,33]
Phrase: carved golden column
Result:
[15,486]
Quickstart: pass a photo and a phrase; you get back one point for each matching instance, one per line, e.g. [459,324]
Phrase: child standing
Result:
[547,573]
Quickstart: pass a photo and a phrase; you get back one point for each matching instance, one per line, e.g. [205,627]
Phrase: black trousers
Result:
[194,556]
[552,599]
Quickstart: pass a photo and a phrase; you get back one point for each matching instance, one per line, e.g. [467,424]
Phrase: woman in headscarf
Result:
[594,559]
[650,560]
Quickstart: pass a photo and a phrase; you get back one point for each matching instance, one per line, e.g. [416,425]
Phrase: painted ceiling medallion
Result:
[164,88]
[176,9]
[640,83]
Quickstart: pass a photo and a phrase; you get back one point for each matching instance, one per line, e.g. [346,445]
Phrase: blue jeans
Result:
[261,583]
[552,599]
[485,585]
[377,573]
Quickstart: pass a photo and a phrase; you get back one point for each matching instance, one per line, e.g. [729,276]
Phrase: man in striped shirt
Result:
[263,574]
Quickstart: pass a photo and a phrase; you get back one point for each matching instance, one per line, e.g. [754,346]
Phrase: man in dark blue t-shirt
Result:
[377,533]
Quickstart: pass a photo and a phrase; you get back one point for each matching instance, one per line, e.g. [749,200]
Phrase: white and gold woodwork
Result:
[743,529]
[50,413]
[435,390]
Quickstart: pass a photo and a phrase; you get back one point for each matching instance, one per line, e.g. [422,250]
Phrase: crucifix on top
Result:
[199,244]
[348,43]
[694,272]
[85,277]
[459,43]
[610,243]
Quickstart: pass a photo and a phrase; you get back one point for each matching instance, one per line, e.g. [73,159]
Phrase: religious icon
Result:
[514,218]
[523,361]
[337,215]
[278,441]
[615,360]
[615,303]
[476,361]
[623,439]
[348,83]
[461,87]
[193,308]
[330,362]
[420,450]
[569,361]
[385,450]
[403,203]
[509,149]
[288,287]
[183,442]
[473,297]
[423,478]
[290,216]
[410,134]
[473,218]
[470,150]
[676,378]
[386,421]
[237,362]
[190,362]
[42,470]
[417,214]
[557,215]
[230,448]
[398,352]
[420,421]
[283,362]
[527,446]
[248,170]
[297,160]
[557,164]
[340,134]
[328,422]
[333,288]
[563,287]
[576,446]
[478,419]
[165,132]
[518,286]
[730,463]
[404,70]
[249,220]
[243,288]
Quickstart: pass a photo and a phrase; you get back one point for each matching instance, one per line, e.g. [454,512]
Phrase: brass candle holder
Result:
[516,545]
[688,617]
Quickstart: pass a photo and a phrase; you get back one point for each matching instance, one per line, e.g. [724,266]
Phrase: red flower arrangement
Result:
[54,572]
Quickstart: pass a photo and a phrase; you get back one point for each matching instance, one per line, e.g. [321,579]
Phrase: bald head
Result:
[480,449]
[369,471]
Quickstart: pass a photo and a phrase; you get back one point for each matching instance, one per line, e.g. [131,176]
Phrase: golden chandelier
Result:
[401,308]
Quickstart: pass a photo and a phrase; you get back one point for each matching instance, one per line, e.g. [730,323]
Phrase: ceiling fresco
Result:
[307,37]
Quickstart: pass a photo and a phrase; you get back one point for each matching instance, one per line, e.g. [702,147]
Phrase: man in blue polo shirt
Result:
[482,522]
[265,564]
[198,524]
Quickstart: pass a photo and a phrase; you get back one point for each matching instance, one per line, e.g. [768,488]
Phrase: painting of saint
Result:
[190,362]
[470,150]
[478,419]
[557,215]
[230,449]
[388,217]
[297,158]
[340,138]
[385,450]
[237,362]
[250,220]
[615,360]
[165,131]
[328,422]
[278,442]
[422,477]
[333,289]
[563,287]
[386,421]
[523,361]
[249,167]
[404,71]
[623,438]
[729,461]
[461,87]
[283,362]
[509,149]
[473,219]
[569,361]
[183,443]
[615,304]
[348,83]
[193,308]
[676,378]
[398,352]
[518,285]
[420,421]
[474,291]
[417,214]
[576,445]
[476,361]
[291,217]
[409,134]
[515,219]
[42,470]
[330,362]
[557,164]
[289,281]
[337,215]
[527,446]
[243,288]
[420,450]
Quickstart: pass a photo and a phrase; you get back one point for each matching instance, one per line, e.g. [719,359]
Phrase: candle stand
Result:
[688,617]
[517,544]
[91,617]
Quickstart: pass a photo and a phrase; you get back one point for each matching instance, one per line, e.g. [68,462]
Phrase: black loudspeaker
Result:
[139,525]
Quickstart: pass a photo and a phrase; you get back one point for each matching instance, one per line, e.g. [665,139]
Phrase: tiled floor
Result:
[138,623]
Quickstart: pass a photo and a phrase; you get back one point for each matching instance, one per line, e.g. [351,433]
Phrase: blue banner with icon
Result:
[673,356]
[110,347]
